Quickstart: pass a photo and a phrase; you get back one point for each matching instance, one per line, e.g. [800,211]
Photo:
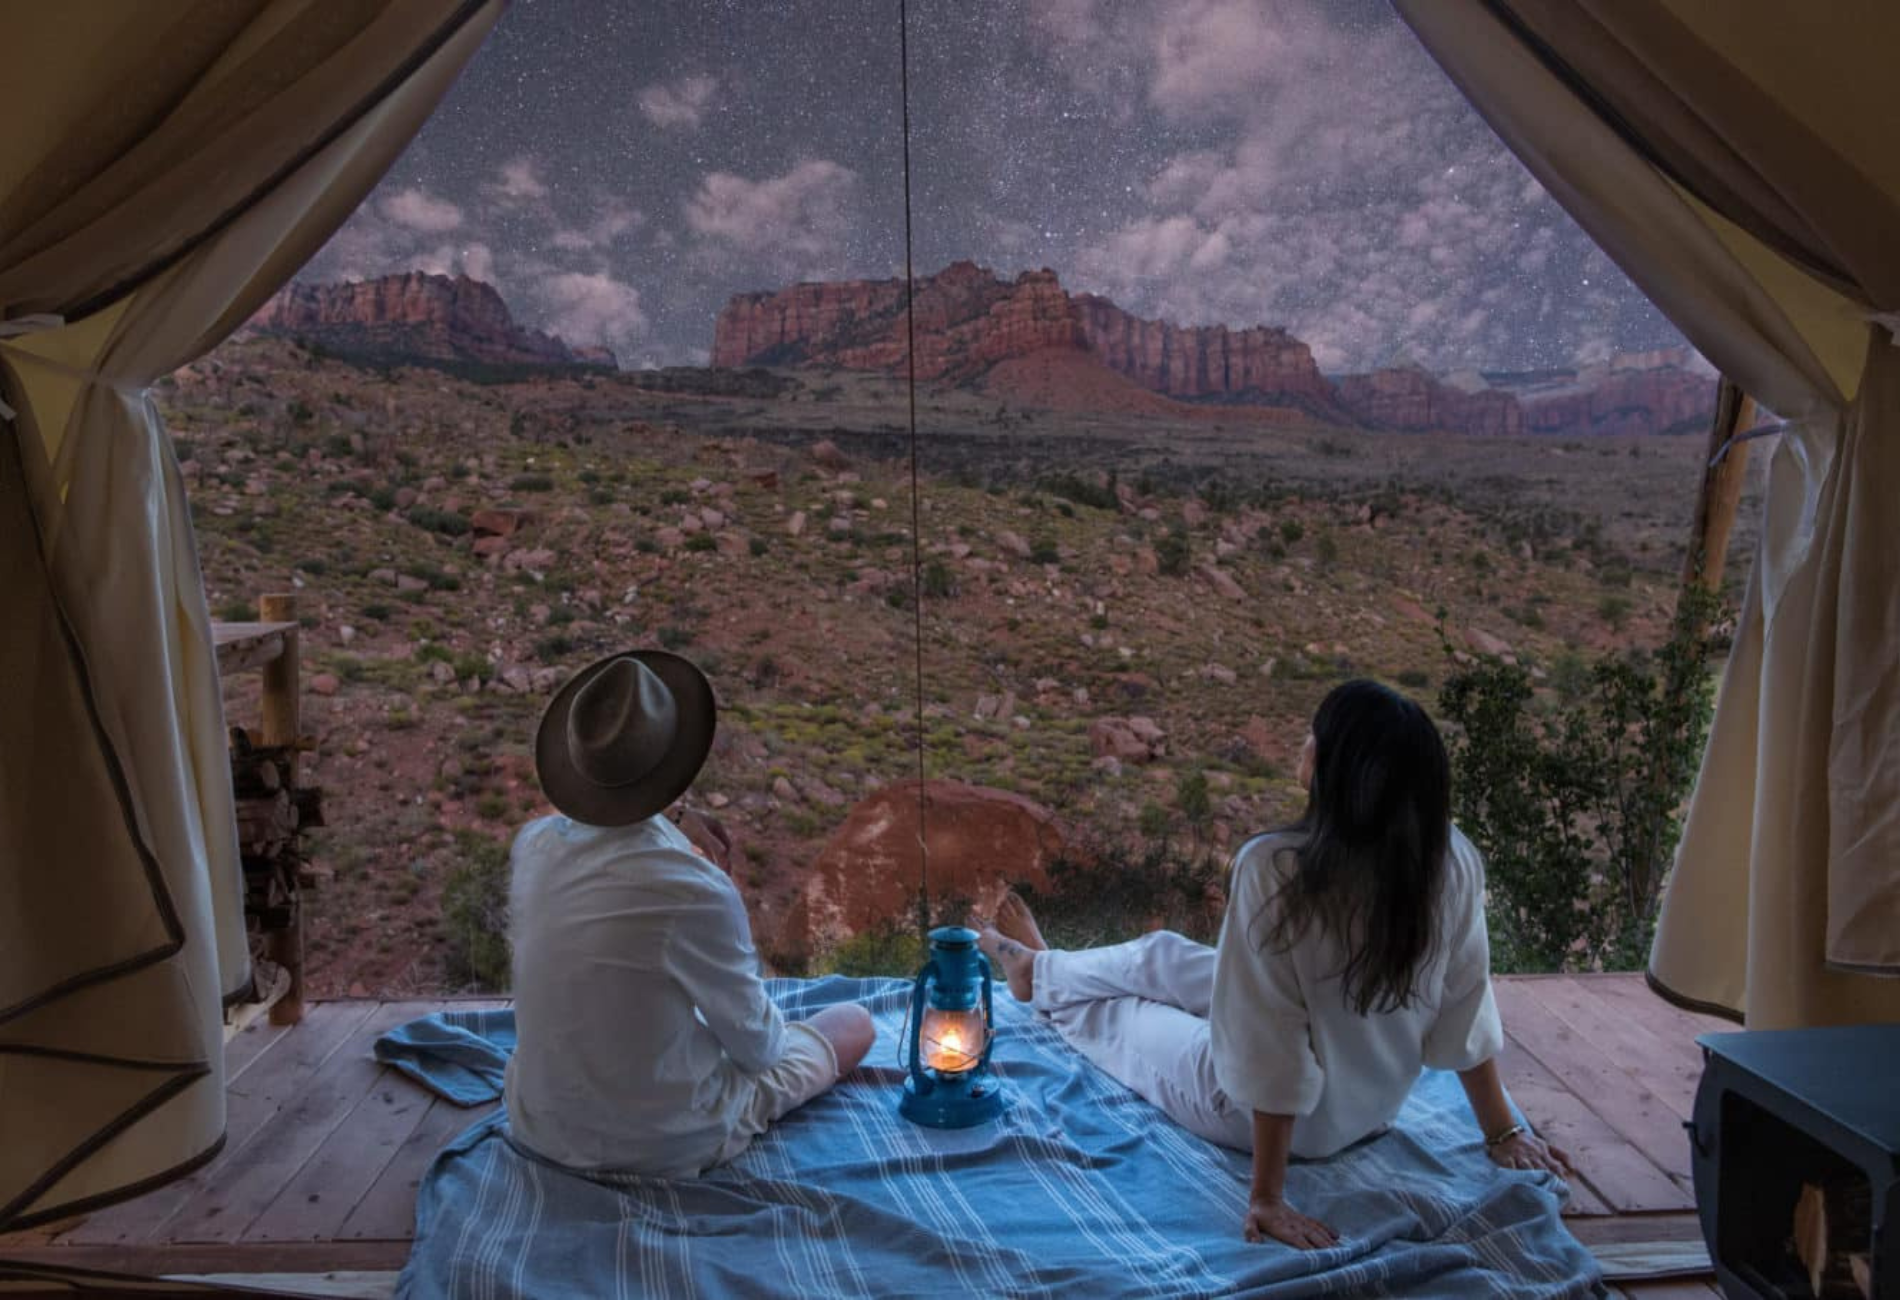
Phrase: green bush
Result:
[701,542]
[475,914]
[1291,530]
[939,584]
[531,483]
[1173,551]
[1578,809]
[237,611]
[449,523]
[1107,894]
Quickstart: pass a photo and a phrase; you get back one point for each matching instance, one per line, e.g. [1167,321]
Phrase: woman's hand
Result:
[1273,1217]
[1528,1151]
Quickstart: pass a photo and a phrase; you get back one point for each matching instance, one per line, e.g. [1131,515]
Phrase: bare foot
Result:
[1015,921]
[1018,962]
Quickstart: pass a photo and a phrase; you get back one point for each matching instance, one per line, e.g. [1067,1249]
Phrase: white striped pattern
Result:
[1080,1189]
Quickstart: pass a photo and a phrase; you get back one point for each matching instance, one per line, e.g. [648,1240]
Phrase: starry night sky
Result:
[619,169]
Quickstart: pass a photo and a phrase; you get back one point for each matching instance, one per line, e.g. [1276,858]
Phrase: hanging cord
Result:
[916,496]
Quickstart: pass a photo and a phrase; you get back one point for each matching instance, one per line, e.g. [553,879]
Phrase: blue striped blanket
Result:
[1080,1189]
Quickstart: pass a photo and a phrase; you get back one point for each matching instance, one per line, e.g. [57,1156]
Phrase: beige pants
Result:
[1138,1010]
[808,1067]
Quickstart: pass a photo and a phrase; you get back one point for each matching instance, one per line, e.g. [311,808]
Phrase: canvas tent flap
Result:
[122,939]
[1735,158]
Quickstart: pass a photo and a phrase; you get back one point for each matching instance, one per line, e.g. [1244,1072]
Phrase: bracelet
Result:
[1505,1136]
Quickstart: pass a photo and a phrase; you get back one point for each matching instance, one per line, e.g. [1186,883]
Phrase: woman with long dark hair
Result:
[1353,955]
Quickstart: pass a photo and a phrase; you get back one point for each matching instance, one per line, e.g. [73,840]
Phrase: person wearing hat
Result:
[646,1041]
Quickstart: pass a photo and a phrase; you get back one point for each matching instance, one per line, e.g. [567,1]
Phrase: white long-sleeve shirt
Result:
[1285,1040]
[641,1016]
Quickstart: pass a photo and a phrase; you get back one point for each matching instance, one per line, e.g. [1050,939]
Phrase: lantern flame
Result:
[953,1041]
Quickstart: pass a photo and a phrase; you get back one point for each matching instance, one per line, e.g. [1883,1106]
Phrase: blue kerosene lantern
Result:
[950,1085]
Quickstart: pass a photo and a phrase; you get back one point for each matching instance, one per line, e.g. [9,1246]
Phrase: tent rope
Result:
[916,495]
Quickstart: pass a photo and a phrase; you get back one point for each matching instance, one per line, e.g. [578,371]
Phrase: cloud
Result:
[520,182]
[795,222]
[417,209]
[679,103]
[1214,55]
[601,228]
[591,308]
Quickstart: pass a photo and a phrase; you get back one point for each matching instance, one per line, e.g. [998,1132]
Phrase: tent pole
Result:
[279,707]
[1721,491]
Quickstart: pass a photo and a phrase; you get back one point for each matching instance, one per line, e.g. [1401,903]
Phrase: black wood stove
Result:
[1783,1109]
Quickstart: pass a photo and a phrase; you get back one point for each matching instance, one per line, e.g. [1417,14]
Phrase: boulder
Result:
[1128,740]
[981,842]
[1486,644]
[496,523]
[826,454]
[1223,582]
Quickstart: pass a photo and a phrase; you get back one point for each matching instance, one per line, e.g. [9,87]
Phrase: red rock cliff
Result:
[969,320]
[1623,399]
[415,314]
[1205,361]
[1414,401]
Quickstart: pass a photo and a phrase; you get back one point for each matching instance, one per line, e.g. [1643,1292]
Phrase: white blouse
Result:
[1285,1040]
[641,1017]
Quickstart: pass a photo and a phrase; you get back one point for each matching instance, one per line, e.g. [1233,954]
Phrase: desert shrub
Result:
[1326,548]
[553,649]
[757,546]
[1291,530]
[1614,610]
[1191,798]
[383,498]
[475,914]
[1083,491]
[531,483]
[237,611]
[1043,551]
[673,637]
[449,523]
[1173,551]
[893,948]
[675,497]
[1578,809]
[1416,678]
[377,611]
[1111,893]
[701,542]
[939,584]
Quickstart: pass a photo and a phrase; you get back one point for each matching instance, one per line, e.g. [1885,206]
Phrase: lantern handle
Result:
[989,1013]
[914,1057]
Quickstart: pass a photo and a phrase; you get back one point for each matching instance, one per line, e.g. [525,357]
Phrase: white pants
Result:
[1139,1011]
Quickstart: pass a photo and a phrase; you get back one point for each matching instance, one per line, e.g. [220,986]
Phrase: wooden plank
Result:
[242,1187]
[1621,1176]
[283,1066]
[223,634]
[1670,1068]
[387,1210]
[313,1205]
[1623,1103]
[1636,1227]
[1634,997]
[226,1257]
[248,1045]
[1682,1288]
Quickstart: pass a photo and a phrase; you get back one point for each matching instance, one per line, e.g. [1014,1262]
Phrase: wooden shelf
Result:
[244,646]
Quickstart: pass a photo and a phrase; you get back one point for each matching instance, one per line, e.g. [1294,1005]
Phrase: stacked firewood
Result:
[1833,1232]
[272,811]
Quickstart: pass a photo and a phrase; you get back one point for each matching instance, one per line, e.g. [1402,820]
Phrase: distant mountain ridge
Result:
[970,320]
[417,315]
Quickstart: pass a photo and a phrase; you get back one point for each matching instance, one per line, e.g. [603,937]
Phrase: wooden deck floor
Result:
[325,1148]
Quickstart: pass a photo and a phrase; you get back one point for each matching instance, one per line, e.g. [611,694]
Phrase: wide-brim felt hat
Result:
[625,736]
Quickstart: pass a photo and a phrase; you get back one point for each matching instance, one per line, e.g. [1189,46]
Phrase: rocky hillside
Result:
[972,323]
[416,316]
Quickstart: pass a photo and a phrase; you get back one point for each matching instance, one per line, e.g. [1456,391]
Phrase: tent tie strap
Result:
[1889,321]
[21,326]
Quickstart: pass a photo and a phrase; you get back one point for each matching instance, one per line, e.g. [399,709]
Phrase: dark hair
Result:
[1371,861]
